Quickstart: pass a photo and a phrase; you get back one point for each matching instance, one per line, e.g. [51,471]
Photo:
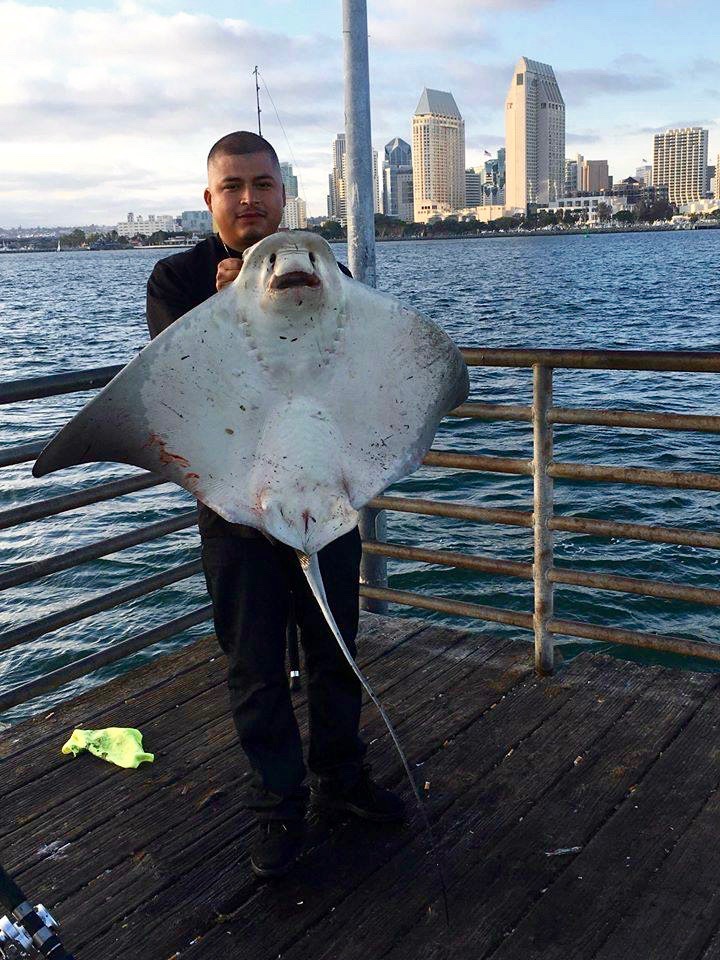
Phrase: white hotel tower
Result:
[438,156]
[680,162]
[534,136]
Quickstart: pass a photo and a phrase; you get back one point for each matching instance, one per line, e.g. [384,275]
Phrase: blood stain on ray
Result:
[166,456]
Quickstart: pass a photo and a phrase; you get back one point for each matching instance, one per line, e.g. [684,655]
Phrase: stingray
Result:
[285,402]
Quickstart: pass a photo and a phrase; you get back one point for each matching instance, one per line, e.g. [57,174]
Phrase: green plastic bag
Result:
[120,745]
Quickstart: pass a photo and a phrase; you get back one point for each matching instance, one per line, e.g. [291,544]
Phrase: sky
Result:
[110,106]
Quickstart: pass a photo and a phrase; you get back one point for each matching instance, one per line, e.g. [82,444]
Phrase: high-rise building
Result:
[717,178]
[594,176]
[644,174]
[534,136]
[438,152]
[294,214]
[290,181]
[397,197]
[573,175]
[474,182]
[196,221]
[377,208]
[336,194]
[493,193]
[680,160]
[711,171]
[337,181]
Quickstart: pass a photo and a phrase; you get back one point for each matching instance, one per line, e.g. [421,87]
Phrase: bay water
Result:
[653,291]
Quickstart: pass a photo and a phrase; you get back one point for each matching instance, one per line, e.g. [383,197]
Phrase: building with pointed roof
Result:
[534,136]
[438,152]
[397,186]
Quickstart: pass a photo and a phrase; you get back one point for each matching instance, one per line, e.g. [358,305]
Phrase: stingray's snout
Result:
[293,268]
[307,526]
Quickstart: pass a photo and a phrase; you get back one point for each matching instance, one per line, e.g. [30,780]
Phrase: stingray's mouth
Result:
[297,278]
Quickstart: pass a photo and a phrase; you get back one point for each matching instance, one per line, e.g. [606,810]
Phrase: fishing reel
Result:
[16,943]
[27,932]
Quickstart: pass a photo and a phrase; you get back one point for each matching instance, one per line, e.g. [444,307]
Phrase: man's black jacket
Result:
[176,285]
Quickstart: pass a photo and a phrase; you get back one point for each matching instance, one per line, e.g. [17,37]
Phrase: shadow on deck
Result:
[577,815]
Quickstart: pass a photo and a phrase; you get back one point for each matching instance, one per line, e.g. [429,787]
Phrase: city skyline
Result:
[118,104]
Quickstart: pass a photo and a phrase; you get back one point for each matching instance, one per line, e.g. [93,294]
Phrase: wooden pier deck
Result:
[577,815]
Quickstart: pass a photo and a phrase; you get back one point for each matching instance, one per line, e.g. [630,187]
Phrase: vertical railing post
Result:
[360,208]
[542,514]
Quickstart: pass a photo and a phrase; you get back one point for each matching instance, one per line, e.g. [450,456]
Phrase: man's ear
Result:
[207,196]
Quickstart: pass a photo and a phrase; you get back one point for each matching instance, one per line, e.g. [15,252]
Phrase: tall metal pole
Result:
[360,208]
[257,98]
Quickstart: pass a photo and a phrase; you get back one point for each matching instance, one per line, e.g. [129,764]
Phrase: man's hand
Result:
[227,271]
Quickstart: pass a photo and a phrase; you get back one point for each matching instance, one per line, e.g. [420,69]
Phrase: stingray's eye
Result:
[312,258]
[272,259]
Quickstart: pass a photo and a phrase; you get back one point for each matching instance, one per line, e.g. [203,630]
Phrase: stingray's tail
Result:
[311,569]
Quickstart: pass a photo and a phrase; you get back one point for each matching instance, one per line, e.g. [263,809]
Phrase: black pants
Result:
[250,582]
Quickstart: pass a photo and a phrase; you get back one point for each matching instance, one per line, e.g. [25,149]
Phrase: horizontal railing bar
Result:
[591,416]
[22,452]
[117,651]
[81,498]
[634,418]
[492,411]
[458,511]
[686,480]
[38,628]
[635,531]
[27,572]
[456,607]
[674,361]
[449,558]
[643,587]
[35,387]
[633,638]
[564,524]
[512,568]
[473,461]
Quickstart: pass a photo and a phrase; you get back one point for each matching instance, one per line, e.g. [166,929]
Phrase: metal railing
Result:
[543,521]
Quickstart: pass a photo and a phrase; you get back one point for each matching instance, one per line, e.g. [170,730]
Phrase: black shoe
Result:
[365,799]
[276,847]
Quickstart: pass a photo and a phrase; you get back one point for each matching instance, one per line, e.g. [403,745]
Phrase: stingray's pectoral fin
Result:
[311,568]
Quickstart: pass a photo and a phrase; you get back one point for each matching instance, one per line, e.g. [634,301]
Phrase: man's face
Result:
[246,196]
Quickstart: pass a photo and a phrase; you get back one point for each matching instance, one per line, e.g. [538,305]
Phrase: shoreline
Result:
[480,235]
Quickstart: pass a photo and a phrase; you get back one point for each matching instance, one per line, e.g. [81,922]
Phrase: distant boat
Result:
[58,247]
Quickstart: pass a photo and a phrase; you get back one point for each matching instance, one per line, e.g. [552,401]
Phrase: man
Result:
[251,579]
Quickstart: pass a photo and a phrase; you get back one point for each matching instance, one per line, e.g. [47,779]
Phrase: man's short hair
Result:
[239,143]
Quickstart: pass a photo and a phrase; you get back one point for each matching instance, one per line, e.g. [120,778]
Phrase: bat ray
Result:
[285,402]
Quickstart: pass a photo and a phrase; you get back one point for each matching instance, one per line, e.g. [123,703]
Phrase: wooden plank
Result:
[628,845]
[89,817]
[176,847]
[336,880]
[87,708]
[208,880]
[679,910]
[487,836]
[165,714]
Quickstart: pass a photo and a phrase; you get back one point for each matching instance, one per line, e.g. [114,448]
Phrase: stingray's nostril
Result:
[272,259]
[312,258]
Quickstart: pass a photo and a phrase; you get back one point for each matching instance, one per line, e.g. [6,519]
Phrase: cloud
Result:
[582,138]
[580,85]
[404,25]
[130,88]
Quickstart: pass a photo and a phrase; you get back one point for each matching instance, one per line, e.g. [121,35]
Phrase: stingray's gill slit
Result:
[311,568]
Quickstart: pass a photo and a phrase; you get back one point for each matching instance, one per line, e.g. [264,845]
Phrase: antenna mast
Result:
[257,98]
